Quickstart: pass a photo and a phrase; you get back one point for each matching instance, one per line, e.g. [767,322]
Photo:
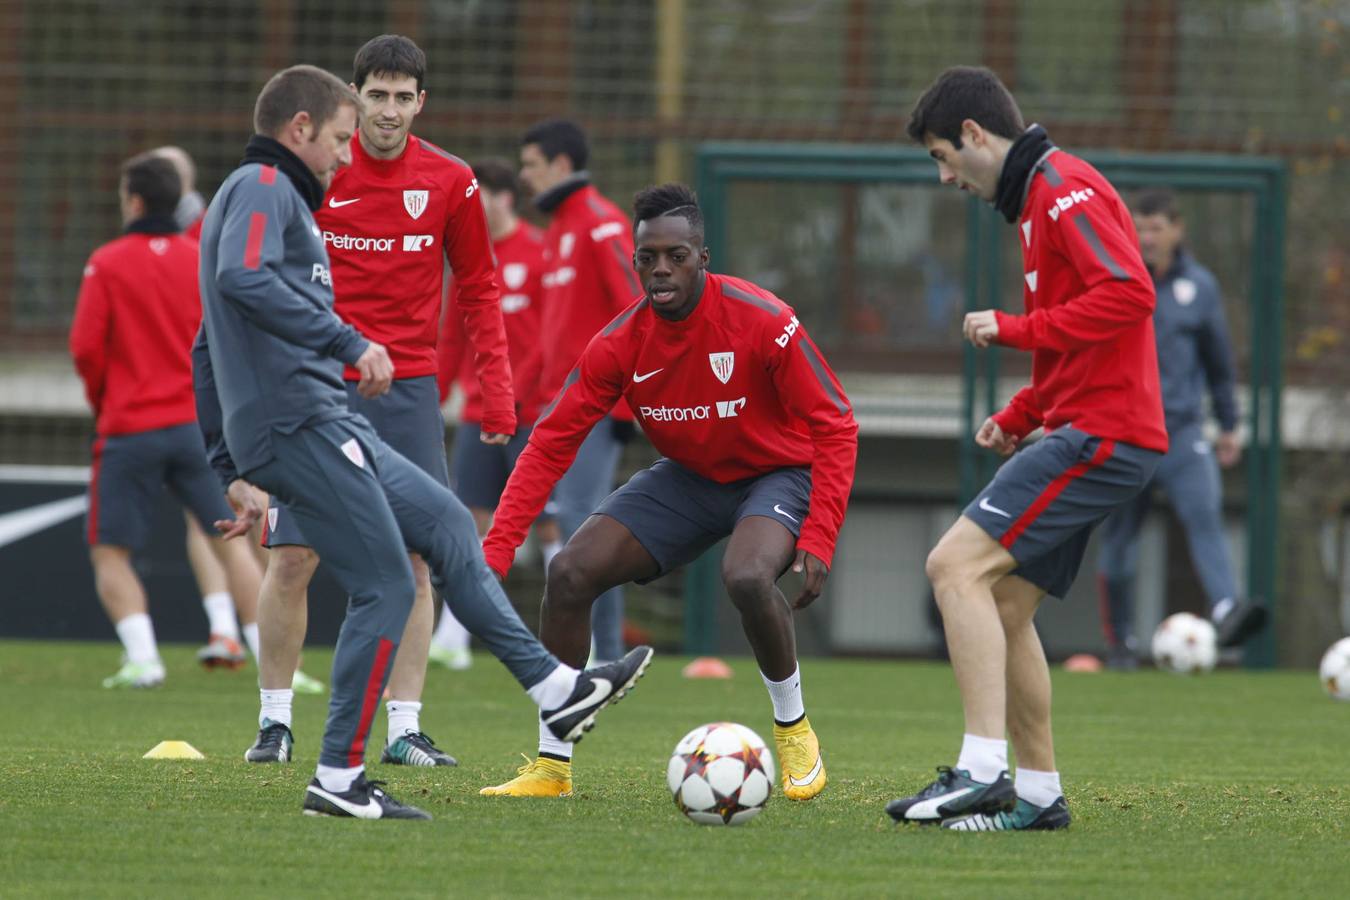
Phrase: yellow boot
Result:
[799,757]
[537,778]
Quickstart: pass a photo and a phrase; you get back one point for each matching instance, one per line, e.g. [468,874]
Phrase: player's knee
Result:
[290,567]
[571,579]
[942,566]
[747,585]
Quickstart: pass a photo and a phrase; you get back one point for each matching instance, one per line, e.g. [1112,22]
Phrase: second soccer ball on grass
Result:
[1185,644]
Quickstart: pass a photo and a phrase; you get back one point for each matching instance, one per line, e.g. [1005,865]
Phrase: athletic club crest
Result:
[415,202]
[722,364]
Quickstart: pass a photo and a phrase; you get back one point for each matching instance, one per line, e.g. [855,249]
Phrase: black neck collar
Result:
[1018,167]
[270,152]
[552,198]
[153,225]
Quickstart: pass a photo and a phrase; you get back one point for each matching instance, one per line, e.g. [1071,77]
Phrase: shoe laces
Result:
[946,775]
[419,737]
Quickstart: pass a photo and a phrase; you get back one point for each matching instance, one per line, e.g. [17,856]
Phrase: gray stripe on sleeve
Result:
[823,375]
[1089,233]
[626,266]
[572,378]
[747,297]
[1051,173]
[624,316]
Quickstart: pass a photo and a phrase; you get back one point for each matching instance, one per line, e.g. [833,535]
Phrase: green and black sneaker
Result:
[273,744]
[954,793]
[1024,817]
[416,748]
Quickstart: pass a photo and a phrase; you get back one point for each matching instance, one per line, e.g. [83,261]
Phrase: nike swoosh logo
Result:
[368,810]
[335,203]
[989,507]
[22,523]
[782,512]
[931,808]
[810,776]
[638,379]
[600,689]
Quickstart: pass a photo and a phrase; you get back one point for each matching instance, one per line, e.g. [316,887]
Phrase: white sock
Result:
[450,634]
[550,744]
[402,718]
[251,638]
[138,638]
[335,779]
[983,757]
[1038,788]
[276,705]
[786,696]
[548,551]
[555,688]
[219,608]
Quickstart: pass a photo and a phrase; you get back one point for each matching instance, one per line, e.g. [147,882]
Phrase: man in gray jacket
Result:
[271,402]
[1195,357]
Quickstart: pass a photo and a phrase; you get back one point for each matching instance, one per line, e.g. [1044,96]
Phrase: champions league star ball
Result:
[720,774]
[1335,669]
[1185,644]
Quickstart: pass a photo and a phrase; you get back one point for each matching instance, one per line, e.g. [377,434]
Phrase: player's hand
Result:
[980,328]
[1228,449]
[243,500]
[377,371]
[494,439]
[991,437]
[813,572]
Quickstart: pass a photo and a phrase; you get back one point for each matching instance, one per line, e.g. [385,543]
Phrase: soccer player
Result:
[1194,353]
[758,442]
[588,279]
[274,409]
[136,315]
[479,469]
[1094,388]
[393,218]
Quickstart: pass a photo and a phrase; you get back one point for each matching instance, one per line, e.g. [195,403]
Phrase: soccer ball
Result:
[1335,669]
[1185,644]
[720,774]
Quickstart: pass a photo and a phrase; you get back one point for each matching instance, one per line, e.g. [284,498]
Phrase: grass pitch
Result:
[1233,783]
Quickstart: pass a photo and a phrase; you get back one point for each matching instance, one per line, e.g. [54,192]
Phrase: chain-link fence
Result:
[90,82]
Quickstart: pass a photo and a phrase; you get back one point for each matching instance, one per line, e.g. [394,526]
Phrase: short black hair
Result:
[155,180]
[960,93]
[389,54]
[671,199]
[1156,202]
[557,137]
[496,174]
[301,89]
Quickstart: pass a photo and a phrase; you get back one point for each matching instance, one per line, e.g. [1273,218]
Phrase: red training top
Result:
[588,280]
[135,320]
[735,390]
[386,224]
[1089,313]
[520,264]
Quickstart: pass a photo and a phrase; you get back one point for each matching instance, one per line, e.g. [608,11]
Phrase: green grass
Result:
[1232,783]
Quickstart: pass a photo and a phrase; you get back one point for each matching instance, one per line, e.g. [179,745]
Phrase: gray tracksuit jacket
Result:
[270,352]
[1194,351]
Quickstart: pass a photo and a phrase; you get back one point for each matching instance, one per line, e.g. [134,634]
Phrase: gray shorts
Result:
[129,471]
[408,419]
[1044,502]
[478,471]
[676,514]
